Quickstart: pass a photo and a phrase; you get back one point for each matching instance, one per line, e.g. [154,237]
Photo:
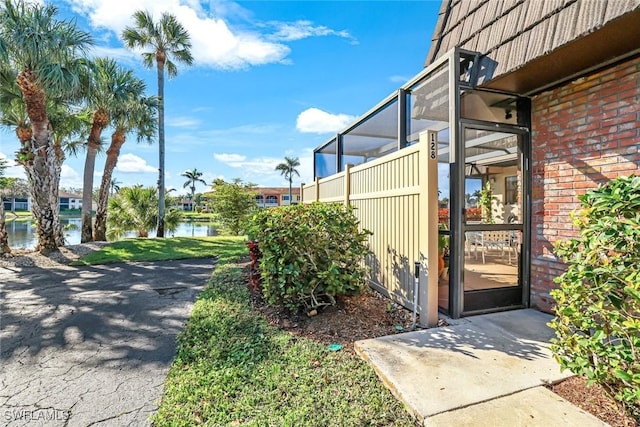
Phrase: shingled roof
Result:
[514,33]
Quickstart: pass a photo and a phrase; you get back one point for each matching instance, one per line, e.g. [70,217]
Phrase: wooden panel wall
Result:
[386,195]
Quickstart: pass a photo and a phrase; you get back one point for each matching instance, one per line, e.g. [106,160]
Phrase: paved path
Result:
[91,346]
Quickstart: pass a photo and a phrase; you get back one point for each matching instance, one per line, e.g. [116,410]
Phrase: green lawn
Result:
[233,368]
[17,216]
[198,216]
[223,247]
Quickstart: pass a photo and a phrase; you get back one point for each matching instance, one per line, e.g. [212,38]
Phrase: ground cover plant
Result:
[234,368]
[598,302]
[223,247]
[310,254]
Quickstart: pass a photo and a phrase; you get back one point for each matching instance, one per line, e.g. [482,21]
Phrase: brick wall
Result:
[583,133]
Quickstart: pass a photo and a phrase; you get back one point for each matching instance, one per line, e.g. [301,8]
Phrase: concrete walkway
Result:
[480,371]
[91,346]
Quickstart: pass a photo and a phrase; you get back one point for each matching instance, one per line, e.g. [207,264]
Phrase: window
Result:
[373,137]
[285,197]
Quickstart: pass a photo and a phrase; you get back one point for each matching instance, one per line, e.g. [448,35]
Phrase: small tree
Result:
[136,209]
[598,302]
[233,203]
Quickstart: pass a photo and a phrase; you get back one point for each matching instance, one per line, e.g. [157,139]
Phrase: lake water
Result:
[21,233]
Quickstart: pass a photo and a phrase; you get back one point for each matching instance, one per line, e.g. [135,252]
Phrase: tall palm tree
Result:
[193,177]
[46,53]
[288,169]
[167,40]
[138,116]
[110,86]
[4,236]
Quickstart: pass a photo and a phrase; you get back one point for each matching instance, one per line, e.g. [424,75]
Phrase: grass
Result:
[17,216]
[223,247]
[233,368]
[198,216]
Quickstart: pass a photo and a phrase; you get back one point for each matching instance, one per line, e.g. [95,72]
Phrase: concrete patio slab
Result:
[529,408]
[475,360]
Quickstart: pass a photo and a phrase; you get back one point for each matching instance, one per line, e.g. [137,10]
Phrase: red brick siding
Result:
[584,133]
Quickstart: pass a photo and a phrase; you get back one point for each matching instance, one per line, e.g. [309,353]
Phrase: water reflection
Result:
[22,233]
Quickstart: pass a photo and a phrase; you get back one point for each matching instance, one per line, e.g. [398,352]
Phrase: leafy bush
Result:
[310,253]
[598,302]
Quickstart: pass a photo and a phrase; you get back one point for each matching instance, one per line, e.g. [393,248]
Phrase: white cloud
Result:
[118,53]
[314,120]
[399,79]
[183,122]
[263,169]
[69,178]
[255,167]
[290,31]
[229,159]
[13,170]
[130,163]
[215,43]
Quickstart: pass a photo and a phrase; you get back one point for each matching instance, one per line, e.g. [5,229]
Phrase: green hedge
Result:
[598,302]
[310,254]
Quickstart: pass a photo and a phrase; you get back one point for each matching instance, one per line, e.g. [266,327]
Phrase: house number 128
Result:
[433,147]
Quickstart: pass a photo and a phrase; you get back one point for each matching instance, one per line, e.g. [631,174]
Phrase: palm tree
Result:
[193,176]
[46,54]
[167,39]
[288,169]
[135,209]
[114,186]
[138,115]
[4,237]
[110,86]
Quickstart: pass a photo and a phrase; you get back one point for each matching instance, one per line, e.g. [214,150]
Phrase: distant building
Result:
[21,202]
[269,197]
[69,201]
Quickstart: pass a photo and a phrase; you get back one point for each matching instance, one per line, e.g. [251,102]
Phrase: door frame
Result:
[458,227]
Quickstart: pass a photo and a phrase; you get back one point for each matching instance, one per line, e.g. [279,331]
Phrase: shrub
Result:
[598,303]
[310,253]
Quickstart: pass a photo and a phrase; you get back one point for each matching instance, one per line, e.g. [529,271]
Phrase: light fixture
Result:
[507,114]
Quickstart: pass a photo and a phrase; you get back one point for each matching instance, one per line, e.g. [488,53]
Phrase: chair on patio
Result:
[502,240]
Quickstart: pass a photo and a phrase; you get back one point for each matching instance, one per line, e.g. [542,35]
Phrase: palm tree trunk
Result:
[4,237]
[100,229]
[93,143]
[42,163]
[193,195]
[290,190]
[160,66]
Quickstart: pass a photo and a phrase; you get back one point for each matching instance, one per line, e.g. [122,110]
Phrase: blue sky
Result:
[270,79]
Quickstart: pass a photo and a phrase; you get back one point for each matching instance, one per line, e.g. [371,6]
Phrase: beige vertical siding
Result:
[332,188]
[308,193]
[386,195]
